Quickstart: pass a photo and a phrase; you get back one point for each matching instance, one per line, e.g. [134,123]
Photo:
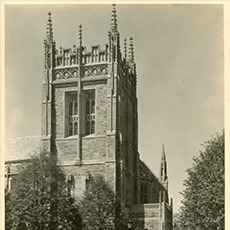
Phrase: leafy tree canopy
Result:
[203,203]
[100,209]
[39,199]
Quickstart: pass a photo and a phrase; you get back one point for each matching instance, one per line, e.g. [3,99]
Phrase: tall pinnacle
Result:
[113,24]
[80,35]
[125,49]
[49,30]
[131,51]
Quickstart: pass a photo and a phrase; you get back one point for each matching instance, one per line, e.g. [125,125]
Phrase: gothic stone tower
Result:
[89,126]
[89,112]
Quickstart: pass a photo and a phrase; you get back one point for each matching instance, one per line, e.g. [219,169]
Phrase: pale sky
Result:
[179,55]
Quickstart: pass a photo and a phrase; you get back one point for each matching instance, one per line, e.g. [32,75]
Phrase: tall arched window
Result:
[90,113]
[73,114]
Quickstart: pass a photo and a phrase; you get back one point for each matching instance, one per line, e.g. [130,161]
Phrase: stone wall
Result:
[152,216]
[81,175]
[146,216]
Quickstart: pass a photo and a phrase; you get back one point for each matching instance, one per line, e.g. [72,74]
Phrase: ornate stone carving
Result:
[66,74]
[94,70]
[87,71]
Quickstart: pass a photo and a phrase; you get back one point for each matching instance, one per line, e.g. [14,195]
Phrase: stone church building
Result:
[90,124]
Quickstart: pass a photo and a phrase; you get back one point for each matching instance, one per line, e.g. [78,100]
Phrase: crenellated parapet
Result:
[69,56]
[94,63]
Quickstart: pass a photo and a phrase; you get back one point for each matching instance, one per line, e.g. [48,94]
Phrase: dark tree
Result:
[39,199]
[203,203]
[100,208]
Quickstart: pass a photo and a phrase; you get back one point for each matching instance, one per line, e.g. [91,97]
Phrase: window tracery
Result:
[73,114]
[90,113]
[87,117]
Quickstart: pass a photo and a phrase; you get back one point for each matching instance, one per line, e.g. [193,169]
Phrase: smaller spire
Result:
[163,158]
[74,48]
[125,48]
[49,30]
[131,51]
[113,24]
[80,35]
[163,169]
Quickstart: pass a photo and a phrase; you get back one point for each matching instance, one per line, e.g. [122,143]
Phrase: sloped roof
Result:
[145,172]
[22,148]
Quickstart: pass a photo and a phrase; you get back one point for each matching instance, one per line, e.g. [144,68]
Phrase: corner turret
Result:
[47,97]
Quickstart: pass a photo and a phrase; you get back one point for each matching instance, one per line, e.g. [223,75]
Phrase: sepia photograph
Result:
[114,116]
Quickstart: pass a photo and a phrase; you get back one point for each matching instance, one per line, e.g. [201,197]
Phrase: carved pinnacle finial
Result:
[125,48]
[131,52]
[80,35]
[114,19]
[74,48]
[49,30]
